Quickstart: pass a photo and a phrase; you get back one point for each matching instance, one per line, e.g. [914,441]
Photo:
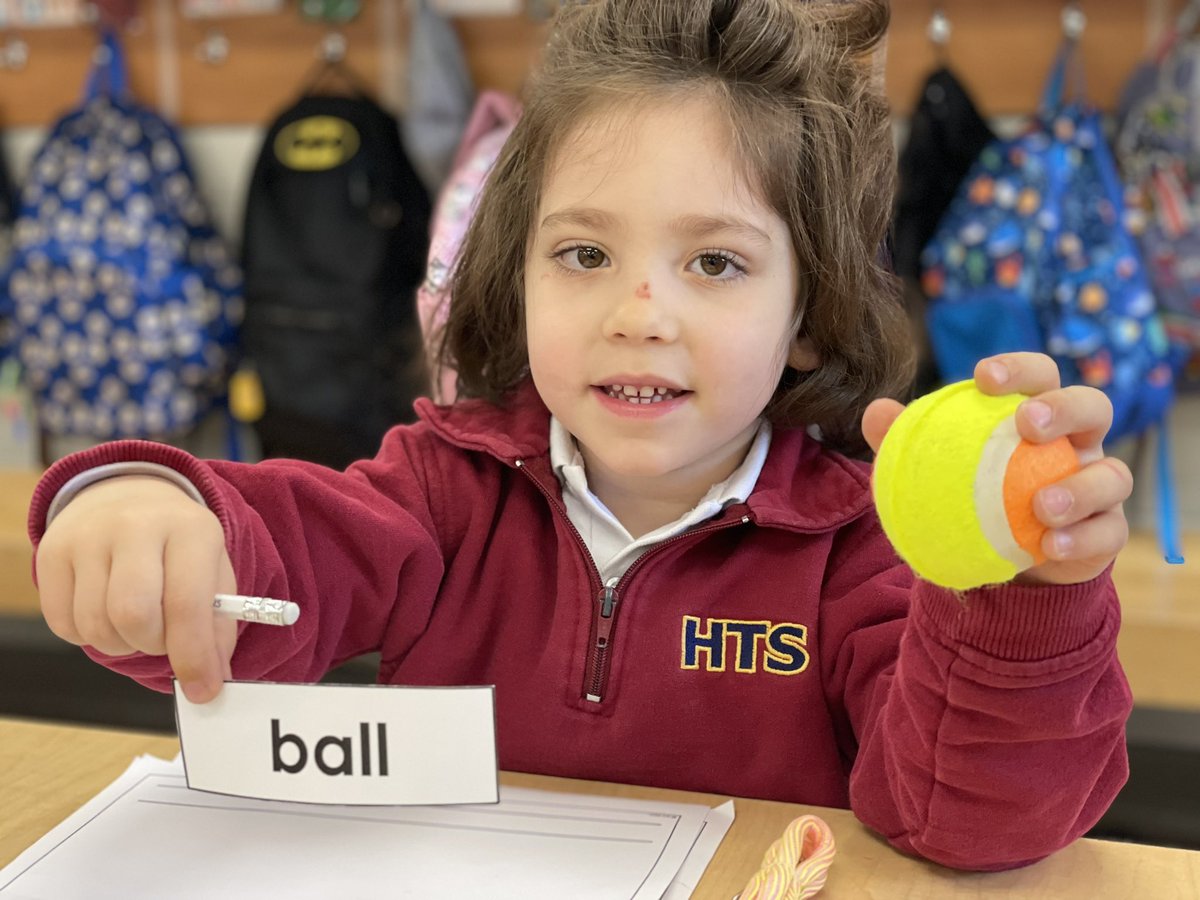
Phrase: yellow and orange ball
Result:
[954,484]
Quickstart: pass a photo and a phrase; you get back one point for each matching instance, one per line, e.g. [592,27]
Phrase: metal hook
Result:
[333,47]
[14,55]
[939,29]
[214,49]
[1073,21]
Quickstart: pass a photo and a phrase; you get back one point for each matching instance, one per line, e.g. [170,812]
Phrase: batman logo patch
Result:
[316,143]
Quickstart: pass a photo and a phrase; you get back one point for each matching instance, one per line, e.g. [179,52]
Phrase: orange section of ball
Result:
[1031,468]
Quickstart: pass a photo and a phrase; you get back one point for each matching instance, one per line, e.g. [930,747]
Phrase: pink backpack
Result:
[492,120]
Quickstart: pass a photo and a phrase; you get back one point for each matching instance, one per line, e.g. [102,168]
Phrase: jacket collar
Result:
[802,486]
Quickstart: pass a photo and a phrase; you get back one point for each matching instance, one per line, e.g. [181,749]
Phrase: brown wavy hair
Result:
[795,82]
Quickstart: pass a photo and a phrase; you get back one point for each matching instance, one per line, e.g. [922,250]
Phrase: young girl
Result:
[671,287]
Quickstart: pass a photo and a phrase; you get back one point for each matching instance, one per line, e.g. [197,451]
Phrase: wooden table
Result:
[47,771]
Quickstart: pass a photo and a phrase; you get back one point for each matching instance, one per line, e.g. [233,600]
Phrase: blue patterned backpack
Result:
[1034,253]
[120,301]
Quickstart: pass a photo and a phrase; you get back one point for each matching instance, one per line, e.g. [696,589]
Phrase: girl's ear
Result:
[803,356]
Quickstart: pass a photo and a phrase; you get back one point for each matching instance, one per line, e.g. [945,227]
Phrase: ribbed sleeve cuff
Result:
[68,467]
[1017,622]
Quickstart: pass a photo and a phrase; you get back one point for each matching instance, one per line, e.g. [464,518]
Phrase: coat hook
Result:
[214,49]
[939,29]
[14,55]
[333,47]
[1073,21]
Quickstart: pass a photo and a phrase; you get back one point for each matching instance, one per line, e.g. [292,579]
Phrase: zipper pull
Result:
[607,599]
[597,667]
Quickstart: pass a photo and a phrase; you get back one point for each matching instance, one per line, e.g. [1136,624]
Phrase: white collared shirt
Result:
[612,546]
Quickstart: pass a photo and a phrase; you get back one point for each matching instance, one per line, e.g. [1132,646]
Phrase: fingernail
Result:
[1056,500]
[1062,544]
[999,372]
[197,691]
[1039,413]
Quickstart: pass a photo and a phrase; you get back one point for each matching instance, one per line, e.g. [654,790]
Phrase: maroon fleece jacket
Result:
[779,650]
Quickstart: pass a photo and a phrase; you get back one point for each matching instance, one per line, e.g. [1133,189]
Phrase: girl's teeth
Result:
[639,395]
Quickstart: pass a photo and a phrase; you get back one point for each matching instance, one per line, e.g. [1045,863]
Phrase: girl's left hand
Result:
[1083,512]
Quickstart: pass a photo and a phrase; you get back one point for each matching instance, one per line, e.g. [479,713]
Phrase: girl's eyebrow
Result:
[690,225]
[583,217]
[699,226]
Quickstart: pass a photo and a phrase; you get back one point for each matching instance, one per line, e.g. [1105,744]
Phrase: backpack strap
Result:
[108,76]
[1068,66]
[233,437]
[1168,515]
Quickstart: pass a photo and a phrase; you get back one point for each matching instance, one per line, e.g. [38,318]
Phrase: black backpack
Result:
[336,235]
[946,135]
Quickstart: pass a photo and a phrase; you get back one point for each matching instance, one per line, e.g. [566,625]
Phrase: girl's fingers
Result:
[1094,488]
[1017,373]
[226,628]
[1082,414]
[877,419]
[1099,537]
[190,570]
[91,607]
[134,596]
[56,590]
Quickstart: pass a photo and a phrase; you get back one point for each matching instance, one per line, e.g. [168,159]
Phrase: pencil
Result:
[263,610]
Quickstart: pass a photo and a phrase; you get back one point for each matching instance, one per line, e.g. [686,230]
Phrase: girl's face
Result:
[659,298]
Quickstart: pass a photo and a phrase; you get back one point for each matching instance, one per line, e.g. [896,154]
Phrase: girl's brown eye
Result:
[713,265]
[590,257]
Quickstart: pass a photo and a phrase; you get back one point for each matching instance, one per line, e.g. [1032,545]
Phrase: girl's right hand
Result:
[132,564]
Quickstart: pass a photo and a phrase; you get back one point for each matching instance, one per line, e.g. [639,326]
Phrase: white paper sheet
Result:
[716,824]
[148,835]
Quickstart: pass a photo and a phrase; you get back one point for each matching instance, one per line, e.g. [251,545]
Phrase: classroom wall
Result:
[269,57]
[1000,50]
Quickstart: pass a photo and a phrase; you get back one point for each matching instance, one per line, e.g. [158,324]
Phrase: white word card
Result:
[358,745]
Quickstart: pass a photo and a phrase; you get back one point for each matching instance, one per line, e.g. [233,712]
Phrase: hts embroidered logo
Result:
[781,647]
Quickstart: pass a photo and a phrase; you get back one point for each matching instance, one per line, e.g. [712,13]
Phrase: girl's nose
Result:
[642,312]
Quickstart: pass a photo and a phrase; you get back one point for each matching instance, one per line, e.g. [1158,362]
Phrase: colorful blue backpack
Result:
[120,301]
[1034,253]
